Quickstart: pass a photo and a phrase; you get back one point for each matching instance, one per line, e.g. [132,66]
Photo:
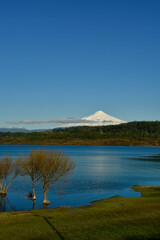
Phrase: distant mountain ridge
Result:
[12,129]
[21,129]
[99,118]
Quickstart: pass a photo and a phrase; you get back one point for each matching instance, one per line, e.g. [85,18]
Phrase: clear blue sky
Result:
[62,59]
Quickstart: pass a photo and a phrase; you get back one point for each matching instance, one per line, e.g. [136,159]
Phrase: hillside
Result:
[132,133]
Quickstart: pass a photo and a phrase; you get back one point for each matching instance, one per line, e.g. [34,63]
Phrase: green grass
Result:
[115,218]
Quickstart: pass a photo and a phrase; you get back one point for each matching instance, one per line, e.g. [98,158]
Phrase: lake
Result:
[101,172]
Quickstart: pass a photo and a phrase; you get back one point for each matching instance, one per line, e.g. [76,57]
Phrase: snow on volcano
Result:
[97,119]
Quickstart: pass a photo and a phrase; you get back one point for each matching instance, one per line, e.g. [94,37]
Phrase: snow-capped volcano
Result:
[97,119]
[100,116]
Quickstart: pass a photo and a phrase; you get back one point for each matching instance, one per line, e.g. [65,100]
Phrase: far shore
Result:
[126,134]
[79,142]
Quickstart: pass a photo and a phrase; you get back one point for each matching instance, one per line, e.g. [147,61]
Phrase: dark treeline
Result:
[132,133]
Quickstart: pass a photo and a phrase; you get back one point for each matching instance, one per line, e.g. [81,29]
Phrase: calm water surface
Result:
[101,172]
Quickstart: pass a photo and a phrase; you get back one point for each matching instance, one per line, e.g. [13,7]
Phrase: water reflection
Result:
[5,204]
[101,172]
[153,158]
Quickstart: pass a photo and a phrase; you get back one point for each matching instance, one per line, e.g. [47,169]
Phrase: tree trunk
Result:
[45,201]
[34,194]
[3,193]
[33,206]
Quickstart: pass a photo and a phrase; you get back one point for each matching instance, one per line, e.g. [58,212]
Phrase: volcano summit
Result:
[97,119]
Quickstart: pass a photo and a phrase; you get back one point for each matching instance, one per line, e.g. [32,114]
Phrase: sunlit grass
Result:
[113,218]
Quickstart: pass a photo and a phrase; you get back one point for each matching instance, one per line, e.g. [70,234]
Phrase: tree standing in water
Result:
[54,166]
[30,165]
[9,169]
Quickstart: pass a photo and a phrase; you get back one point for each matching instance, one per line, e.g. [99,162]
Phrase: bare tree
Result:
[29,165]
[9,169]
[54,166]
[46,166]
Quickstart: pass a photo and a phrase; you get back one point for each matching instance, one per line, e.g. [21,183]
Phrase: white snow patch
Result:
[97,119]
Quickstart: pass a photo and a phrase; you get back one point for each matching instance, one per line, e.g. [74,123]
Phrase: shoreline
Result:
[142,133]
[80,144]
[113,218]
[137,188]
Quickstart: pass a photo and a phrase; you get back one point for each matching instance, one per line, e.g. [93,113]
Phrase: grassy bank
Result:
[116,218]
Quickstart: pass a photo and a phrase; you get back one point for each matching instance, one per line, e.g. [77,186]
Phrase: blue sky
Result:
[61,59]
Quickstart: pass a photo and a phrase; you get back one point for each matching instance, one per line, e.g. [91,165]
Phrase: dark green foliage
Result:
[131,133]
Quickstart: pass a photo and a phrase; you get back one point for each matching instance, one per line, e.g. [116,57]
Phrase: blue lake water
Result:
[101,172]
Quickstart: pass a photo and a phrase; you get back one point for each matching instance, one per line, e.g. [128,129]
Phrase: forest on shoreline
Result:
[144,133]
